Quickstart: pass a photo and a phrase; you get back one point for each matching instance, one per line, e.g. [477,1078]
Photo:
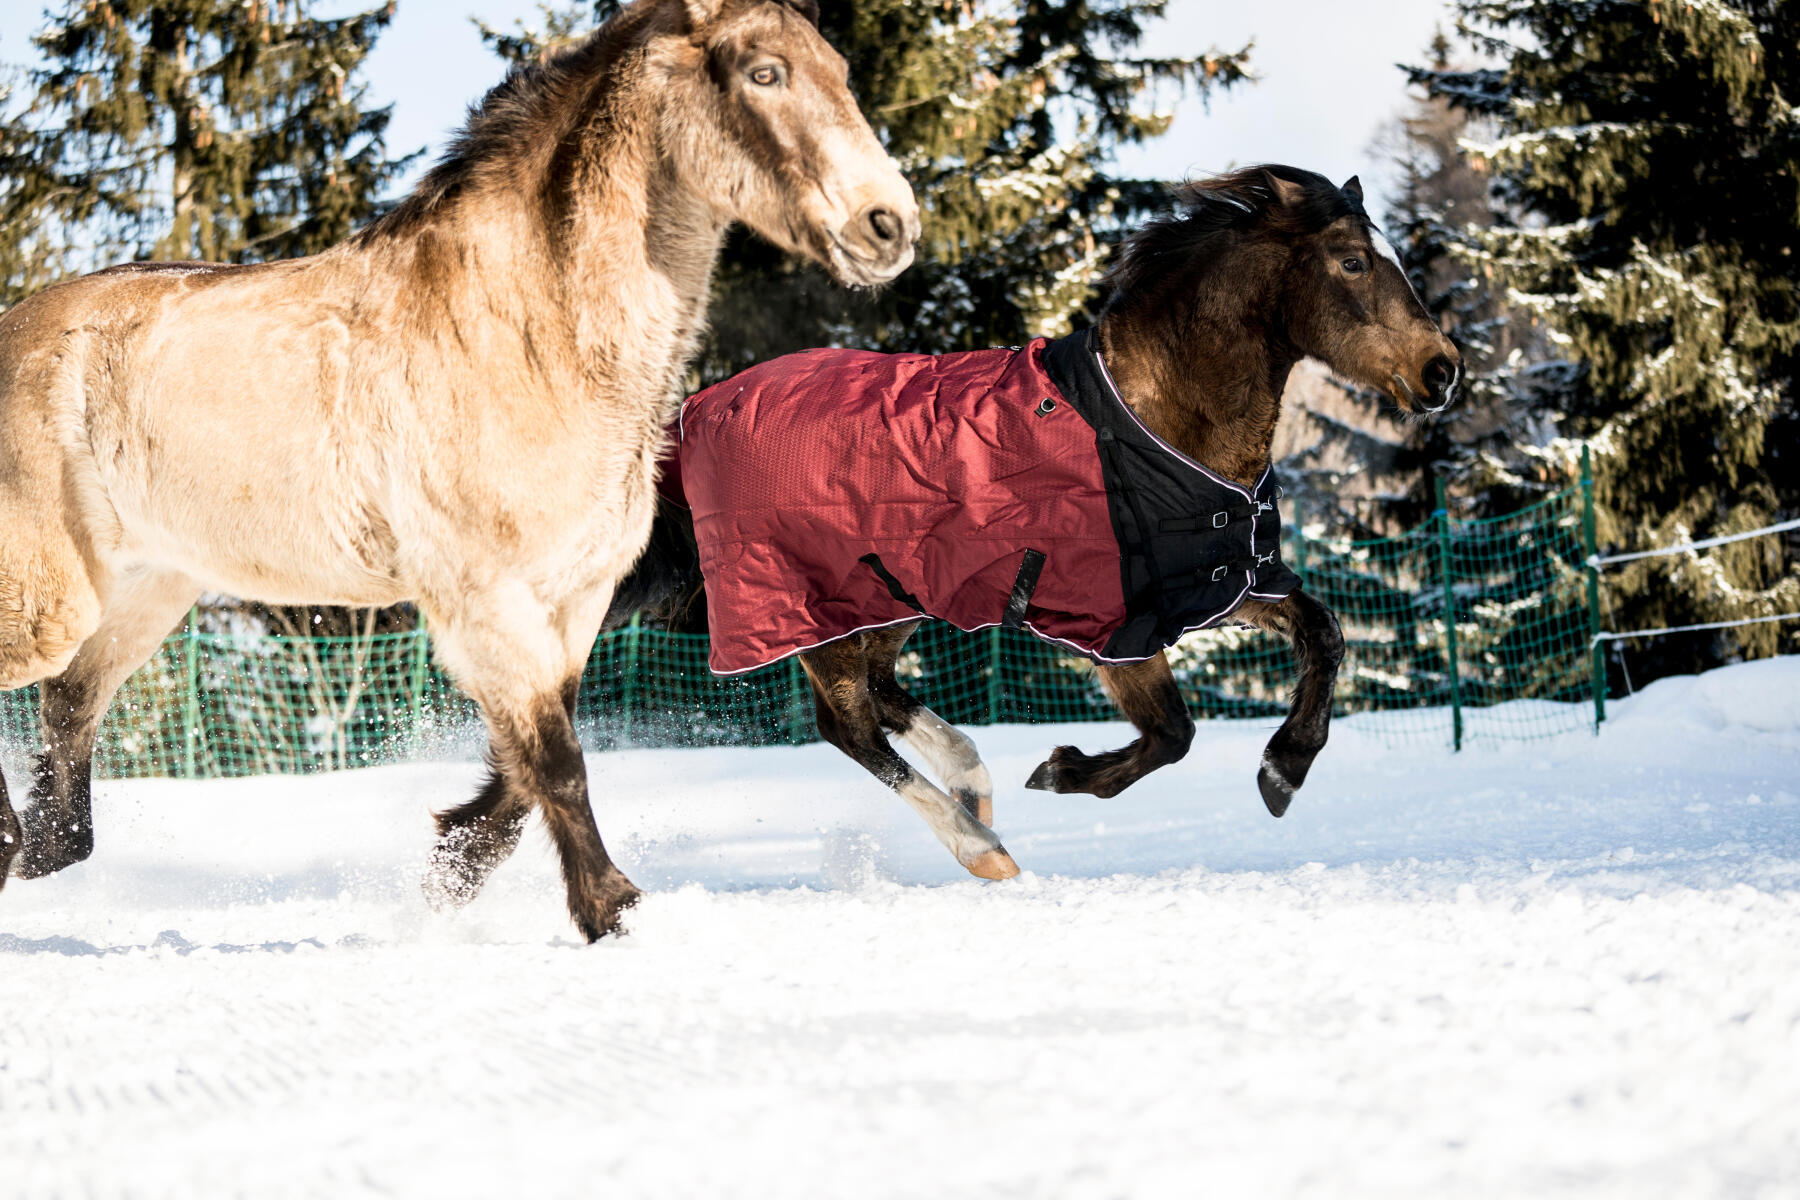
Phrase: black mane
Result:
[1207,209]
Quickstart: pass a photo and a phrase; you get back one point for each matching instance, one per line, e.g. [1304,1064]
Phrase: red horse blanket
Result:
[835,491]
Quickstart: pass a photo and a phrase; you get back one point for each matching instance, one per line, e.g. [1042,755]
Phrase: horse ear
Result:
[1353,185]
[1287,193]
[700,12]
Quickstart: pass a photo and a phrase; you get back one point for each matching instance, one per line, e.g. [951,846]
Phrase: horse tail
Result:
[665,585]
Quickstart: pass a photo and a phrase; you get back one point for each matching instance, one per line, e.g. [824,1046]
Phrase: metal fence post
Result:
[994,676]
[1596,665]
[797,688]
[1299,528]
[421,653]
[1443,517]
[190,700]
[628,681]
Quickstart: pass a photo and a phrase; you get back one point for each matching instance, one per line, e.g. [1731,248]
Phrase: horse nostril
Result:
[1438,374]
[883,224]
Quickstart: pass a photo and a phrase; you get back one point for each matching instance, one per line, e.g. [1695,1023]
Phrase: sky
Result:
[1327,79]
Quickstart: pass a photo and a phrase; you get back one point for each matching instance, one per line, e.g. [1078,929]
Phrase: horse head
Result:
[763,123]
[1284,260]
[1349,301]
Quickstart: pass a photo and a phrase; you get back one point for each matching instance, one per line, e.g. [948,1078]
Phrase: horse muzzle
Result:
[875,245]
[1442,378]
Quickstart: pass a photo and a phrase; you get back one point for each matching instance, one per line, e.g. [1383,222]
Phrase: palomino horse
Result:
[463,405]
[1210,310]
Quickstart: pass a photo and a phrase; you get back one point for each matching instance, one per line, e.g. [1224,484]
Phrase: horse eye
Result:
[765,76]
[1353,266]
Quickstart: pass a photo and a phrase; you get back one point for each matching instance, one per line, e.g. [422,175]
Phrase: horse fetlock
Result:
[974,779]
[979,805]
[973,788]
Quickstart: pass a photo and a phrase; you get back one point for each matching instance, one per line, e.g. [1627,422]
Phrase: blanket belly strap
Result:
[1030,567]
[894,586]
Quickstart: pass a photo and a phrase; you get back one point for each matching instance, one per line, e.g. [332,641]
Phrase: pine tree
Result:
[1004,116]
[30,256]
[1651,149]
[227,130]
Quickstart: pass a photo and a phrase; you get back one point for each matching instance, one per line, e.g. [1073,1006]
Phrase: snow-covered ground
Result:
[1563,969]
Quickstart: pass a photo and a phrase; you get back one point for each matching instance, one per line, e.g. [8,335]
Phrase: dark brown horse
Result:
[1210,309]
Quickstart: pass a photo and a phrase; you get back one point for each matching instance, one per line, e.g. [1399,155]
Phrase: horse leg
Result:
[141,609]
[1146,694]
[521,675]
[946,749]
[480,834]
[1318,643]
[839,672]
[11,836]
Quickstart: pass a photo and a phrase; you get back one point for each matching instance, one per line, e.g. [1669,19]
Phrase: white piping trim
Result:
[815,645]
[1119,396]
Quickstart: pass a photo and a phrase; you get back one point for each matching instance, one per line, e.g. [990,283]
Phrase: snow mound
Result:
[1753,698]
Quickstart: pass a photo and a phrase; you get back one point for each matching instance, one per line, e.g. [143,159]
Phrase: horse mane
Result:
[1207,211]
[531,110]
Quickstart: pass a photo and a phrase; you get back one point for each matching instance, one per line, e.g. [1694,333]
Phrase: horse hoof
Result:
[608,911]
[1276,793]
[1044,778]
[44,849]
[995,864]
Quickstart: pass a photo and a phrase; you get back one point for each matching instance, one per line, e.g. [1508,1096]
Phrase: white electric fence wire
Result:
[1616,637]
[1601,561]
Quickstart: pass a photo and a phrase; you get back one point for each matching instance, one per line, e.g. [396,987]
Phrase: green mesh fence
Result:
[1455,631]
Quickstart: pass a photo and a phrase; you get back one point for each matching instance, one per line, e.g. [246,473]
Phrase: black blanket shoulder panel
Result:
[1193,546]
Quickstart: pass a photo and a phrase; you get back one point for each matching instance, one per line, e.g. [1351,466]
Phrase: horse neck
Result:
[593,252]
[636,262]
[1205,376]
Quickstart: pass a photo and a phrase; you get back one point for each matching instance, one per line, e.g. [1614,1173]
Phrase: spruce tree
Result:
[226,130]
[1005,117]
[30,254]
[1651,152]
[223,130]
